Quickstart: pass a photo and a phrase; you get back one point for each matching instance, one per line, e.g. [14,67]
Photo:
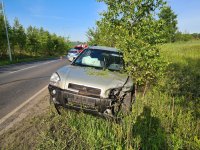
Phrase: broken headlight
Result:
[54,80]
[114,93]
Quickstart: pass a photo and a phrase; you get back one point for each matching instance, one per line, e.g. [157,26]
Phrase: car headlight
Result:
[54,80]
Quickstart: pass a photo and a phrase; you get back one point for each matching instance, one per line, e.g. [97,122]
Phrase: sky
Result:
[73,18]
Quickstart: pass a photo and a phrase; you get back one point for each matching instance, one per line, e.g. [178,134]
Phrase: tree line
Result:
[31,41]
[180,36]
[170,29]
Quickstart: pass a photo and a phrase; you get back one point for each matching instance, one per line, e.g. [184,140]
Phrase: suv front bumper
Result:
[73,100]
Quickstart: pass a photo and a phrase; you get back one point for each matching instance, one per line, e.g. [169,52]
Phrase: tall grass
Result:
[183,77]
[155,123]
[181,51]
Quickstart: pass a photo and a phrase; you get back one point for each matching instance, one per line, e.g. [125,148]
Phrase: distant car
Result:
[72,54]
[94,83]
[81,47]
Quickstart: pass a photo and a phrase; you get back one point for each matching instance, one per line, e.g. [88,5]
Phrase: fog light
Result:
[108,111]
[54,99]
[54,92]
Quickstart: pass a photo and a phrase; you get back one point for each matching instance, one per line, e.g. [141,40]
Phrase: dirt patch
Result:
[26,121]
[23,135]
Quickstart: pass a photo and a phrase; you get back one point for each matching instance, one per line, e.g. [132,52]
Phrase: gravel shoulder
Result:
[22,126]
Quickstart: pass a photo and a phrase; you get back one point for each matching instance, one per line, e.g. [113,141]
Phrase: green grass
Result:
[183,78]
[168,117]
[25,58]
[181,52]
[155,123]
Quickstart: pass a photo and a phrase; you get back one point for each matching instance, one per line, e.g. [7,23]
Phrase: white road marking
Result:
[31,67]
[22,105]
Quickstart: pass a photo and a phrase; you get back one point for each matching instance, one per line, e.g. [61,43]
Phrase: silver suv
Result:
[95,82]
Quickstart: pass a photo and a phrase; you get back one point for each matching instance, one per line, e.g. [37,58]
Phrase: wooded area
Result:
[30,42]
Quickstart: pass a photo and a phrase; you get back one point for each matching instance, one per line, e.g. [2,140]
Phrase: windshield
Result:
[73,51]
[100,59]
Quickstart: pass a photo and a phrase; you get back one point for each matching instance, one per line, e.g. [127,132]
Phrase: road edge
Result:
[12,113]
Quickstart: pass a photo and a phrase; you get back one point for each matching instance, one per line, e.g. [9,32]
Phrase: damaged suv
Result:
[95,82]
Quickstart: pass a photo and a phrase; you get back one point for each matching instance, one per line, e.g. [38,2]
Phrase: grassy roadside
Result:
[168,117]
[153,124]
[4,62]
[23,136]
[31,131]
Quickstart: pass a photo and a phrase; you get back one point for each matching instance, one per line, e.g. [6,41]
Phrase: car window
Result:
[101,59]
[115,62]
[90,58]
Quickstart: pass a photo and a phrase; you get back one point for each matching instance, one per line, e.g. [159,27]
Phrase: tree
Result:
[131,26]
[3,38]
[3,41]
[18,36]
[92,35]
[170,23]
[33,40]
[44,39]
[179,36]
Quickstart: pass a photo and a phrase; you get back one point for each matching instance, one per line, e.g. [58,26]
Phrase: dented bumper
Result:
[73,100]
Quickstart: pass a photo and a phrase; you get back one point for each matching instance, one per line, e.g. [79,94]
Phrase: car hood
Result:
[91,77]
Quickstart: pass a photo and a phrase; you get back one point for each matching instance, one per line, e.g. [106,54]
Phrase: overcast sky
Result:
[73,17]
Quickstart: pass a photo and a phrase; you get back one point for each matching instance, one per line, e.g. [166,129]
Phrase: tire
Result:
[56,106]
[50,100]
[126,106]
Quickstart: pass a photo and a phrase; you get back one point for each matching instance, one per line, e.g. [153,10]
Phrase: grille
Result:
[84,90]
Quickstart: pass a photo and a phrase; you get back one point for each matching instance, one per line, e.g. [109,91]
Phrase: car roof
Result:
[105,48]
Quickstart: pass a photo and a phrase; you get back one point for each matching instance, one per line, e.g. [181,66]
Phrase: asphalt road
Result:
[19,82]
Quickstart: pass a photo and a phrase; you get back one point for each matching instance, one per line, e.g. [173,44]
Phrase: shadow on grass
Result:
[183,81]
[149,130]
[187,79]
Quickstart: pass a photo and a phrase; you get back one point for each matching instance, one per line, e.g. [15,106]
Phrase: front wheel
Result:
[55,105]
[126,105]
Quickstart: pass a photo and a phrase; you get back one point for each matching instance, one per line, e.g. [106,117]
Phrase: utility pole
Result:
[3,11]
